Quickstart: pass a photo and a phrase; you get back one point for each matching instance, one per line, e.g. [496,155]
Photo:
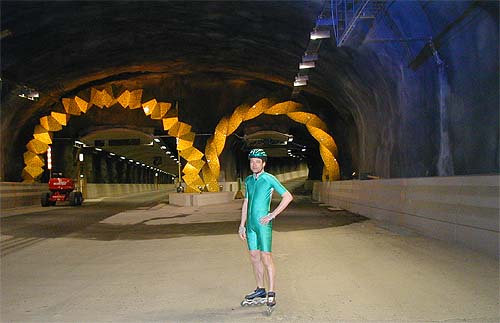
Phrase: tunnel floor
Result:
[139,259]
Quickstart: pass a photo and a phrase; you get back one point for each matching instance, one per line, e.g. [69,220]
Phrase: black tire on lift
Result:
[73,199]
[80,198]
[44,199]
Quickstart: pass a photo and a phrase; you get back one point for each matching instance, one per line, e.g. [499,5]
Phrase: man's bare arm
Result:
[286,198]
[241,230]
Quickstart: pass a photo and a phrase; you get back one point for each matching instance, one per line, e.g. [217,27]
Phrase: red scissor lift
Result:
[61,190]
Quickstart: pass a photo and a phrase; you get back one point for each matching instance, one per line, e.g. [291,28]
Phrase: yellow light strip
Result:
[42,135]
[210,168]
[316,127]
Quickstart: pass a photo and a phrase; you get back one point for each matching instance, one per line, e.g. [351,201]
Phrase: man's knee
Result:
[255,256]
[267,258]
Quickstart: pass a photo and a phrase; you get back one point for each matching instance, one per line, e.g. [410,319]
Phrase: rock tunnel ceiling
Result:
[211,57]
[205,56]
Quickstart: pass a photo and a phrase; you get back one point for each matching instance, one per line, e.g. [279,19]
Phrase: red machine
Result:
[61,189]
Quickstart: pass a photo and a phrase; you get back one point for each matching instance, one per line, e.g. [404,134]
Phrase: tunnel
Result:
[412,92]
[386,109]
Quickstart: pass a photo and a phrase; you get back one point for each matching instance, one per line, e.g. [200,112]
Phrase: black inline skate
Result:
[271,302]
[257,297]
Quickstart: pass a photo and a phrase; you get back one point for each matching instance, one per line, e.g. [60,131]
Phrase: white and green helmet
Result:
[258,153]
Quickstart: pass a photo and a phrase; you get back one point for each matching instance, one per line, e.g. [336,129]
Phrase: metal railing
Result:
[346,15]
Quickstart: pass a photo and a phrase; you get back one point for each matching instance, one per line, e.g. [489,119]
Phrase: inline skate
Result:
[271,302]
[257,297]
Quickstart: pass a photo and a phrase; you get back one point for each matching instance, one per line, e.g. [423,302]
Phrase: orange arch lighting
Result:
[42,136]
[75,106]
[227,125]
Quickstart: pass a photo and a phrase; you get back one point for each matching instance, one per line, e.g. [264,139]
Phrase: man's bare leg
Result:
[267,259]
[258,267]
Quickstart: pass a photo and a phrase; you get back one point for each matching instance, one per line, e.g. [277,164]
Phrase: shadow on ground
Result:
[84,222]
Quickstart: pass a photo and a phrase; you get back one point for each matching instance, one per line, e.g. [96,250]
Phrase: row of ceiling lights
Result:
[302,149]
[295,156]
[167,152]
[309,59]
[111,154]
[320,31]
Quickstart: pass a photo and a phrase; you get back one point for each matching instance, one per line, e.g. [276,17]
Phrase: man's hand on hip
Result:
[266,219]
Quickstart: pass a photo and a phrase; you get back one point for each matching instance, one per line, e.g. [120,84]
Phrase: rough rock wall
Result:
[427,110]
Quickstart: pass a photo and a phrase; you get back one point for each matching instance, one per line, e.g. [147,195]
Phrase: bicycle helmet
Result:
[258,153]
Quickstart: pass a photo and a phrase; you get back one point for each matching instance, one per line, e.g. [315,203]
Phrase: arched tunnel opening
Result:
[193,111]
[104,132]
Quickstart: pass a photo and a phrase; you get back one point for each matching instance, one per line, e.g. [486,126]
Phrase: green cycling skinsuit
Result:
[258,193]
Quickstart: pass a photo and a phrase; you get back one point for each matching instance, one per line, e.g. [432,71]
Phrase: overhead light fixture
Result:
[78,144]
[123,157]
[302,78]
[156,139]
[111,154]
[29,93]
[98,149]
[306,65]
[163,147]
[320,34]
[299,83]
[310,57]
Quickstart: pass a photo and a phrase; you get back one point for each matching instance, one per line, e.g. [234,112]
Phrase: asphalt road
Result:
[138,259]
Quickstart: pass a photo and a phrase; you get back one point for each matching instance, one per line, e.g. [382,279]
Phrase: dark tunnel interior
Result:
[412,92]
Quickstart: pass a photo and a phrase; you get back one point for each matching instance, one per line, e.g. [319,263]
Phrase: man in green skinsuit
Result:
[256,222]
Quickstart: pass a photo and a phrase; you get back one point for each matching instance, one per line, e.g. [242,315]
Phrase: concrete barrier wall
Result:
[200,199]
[233,186]
[292,175]
[13,194]
[93,191]
[462,210]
